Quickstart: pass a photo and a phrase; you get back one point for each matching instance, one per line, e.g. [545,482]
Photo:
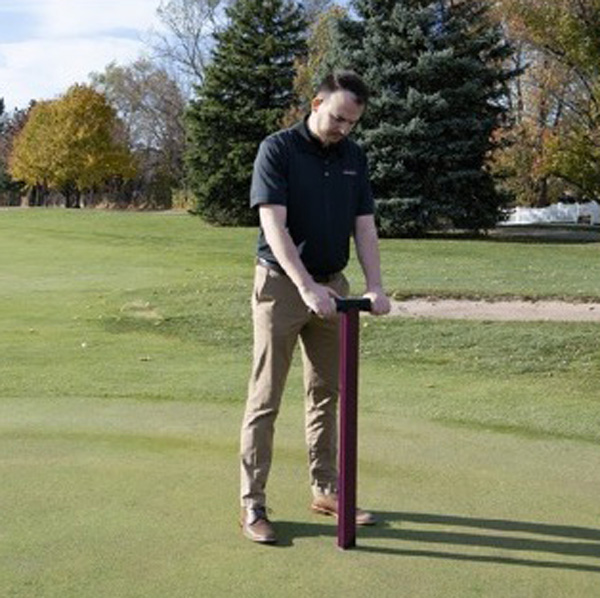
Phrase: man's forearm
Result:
[316,297]
[367,251]
[273,223]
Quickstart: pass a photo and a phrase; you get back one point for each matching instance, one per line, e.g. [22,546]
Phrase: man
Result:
[310,185]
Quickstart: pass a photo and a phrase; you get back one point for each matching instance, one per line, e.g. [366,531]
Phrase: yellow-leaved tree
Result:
[310,68]
[556,101]
[73,144]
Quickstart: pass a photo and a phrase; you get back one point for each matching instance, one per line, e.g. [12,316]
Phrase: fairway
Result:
[126,346]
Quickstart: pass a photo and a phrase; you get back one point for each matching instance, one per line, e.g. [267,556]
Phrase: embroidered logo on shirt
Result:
[350,172]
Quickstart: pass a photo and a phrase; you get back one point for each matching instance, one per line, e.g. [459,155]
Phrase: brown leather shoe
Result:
[256,525]
[327,504]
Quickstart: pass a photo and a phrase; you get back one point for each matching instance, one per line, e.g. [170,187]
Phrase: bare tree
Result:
[184,48]
[313,9]
[150,105]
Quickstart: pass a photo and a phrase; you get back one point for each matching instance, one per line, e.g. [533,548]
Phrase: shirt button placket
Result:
[327,213]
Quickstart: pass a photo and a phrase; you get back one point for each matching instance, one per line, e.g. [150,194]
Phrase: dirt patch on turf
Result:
[497,310]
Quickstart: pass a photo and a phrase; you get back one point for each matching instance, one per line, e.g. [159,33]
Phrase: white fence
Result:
[558,213]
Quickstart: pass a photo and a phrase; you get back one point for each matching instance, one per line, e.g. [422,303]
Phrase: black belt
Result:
[261,261]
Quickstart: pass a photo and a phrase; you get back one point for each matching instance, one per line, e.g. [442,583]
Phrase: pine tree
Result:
[438,75]
[248,88]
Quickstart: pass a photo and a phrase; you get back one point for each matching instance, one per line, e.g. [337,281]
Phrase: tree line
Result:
[477,105]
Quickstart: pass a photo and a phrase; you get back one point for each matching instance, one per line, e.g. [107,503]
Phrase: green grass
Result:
[471,268]
[125,355]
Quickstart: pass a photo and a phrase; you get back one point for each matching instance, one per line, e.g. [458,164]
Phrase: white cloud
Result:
[43,69]
[20,5]
[66,18]
[68,40]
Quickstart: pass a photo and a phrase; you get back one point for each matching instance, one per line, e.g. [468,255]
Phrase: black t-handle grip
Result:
[345,304]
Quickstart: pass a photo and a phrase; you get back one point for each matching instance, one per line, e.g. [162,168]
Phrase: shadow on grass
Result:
[526,233]
[545,234]
[562,540]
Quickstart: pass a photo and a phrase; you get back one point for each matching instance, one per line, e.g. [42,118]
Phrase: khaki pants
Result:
[280,318]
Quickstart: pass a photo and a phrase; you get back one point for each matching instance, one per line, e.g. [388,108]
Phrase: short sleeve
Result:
[269,176]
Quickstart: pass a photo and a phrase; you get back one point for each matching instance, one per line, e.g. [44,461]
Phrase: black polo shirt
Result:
[323,188]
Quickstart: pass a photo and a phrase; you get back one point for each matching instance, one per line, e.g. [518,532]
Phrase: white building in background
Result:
[558,213]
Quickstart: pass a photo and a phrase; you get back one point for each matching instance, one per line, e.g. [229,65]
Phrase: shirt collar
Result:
[313,142]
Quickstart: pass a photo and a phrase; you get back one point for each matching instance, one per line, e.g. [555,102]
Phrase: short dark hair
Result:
[347,81]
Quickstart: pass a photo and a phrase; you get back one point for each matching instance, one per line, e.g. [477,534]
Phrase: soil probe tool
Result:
[349,308]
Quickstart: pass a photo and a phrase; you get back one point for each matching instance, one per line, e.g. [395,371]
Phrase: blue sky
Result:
[48,45]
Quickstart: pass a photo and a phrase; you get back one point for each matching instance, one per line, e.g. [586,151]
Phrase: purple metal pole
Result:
[348,429]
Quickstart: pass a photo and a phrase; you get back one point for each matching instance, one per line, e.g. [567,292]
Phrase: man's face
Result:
[334,116]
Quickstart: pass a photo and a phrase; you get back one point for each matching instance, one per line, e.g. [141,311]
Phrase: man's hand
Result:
[380,304]
[319,299]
